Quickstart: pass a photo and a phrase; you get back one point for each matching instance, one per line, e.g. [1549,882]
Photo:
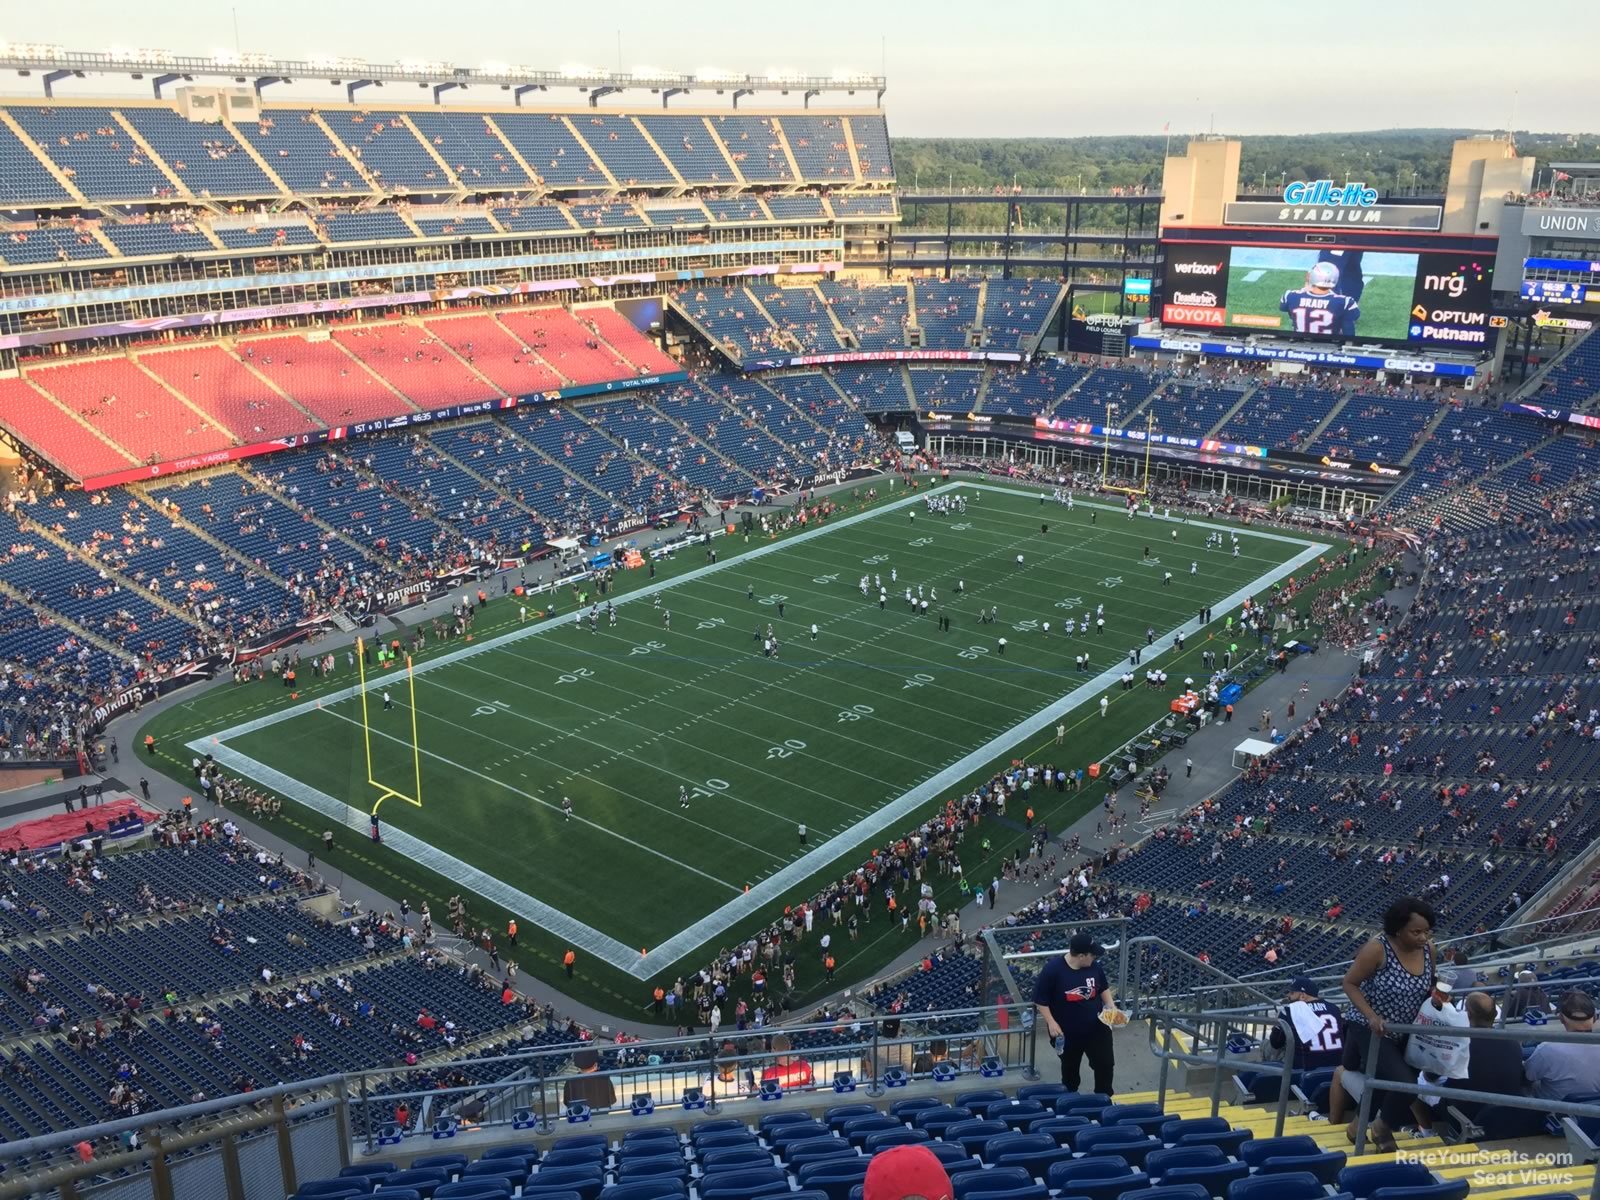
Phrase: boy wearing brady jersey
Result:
[1318,307]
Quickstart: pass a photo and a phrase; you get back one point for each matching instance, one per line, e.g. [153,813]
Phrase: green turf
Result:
[621,718]
[1385,301]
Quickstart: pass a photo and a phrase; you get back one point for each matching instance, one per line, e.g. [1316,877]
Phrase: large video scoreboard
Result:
[1396,288]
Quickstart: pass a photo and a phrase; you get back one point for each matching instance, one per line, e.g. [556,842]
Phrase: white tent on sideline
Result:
[1251,750]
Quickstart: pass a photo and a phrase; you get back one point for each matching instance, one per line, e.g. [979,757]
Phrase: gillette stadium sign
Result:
[1321,202]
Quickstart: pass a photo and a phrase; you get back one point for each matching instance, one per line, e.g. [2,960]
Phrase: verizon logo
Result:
[1194,268]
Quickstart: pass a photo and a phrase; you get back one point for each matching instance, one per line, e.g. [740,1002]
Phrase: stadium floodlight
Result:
[649,72]
[30,50]
[577,71]
[785,75]
[717,75]
[495,68]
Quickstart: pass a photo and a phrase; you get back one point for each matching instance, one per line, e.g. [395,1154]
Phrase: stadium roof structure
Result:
[263,70]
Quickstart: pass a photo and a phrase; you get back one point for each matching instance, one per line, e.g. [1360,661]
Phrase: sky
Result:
[955,69]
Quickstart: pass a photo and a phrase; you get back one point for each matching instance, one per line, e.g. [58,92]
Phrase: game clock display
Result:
[1332,293]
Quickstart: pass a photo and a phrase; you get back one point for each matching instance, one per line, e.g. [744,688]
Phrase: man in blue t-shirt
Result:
[1069,996]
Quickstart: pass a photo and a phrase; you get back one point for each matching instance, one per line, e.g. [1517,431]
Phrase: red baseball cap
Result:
[906,1173]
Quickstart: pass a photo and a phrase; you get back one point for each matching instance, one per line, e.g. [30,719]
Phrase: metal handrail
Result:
[1164,1050]
[1524,1033]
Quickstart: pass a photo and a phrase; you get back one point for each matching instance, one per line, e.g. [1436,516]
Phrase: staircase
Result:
[1326,421]
[1244,398]
[64,622]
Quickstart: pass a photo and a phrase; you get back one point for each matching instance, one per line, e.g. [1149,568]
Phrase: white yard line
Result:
[769,890]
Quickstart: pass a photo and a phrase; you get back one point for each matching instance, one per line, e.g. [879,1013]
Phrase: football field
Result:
[854,732]
[1256,291]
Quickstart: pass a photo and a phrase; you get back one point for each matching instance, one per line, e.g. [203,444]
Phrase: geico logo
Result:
[1203,299]
[1194,268]
[1413,366]
[1455,285]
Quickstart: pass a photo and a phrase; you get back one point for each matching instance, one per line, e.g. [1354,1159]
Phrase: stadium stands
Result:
[384,143]
[950,390]
[371,225]
[1105,386]
[625,338]
[495,353]
[266,234]
[568,345]
[875,316]
[819,148]
[301,154]
[471,148]
[95,151]
[1190,409]
[23,178]
[754,145]
[871,136]
[800,312]
[204,155]
[1031,390]
[1017,310]
[221,386]
[534,218]
[620,146]
[142,239]
[1280,415]
[1574,380]
[731,319]
[264,529]
[548,145]
[744,442]
[324,380]
[797,206]
[690,147]
[24,246]
[54,432]
[946,311]
[419,364]
[132,408]
[1382,427]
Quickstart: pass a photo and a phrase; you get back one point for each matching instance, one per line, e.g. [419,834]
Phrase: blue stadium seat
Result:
[526,1151]
[1081,1102]
[355,1169]
[894,1137]
[996,1179]
[735,1158]
[1016,1113]
[1299,1185]
[661,1165]
[331,1188]
[1064,1130]
[1365,1180]
[647,1189]
[744,1185]
[452,1163]
[1254,1152]
[473,1189]
[1447,1189]
[971,1135]
[423,1179]
[1127,1140]
[839,1115]
[1325,1166]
